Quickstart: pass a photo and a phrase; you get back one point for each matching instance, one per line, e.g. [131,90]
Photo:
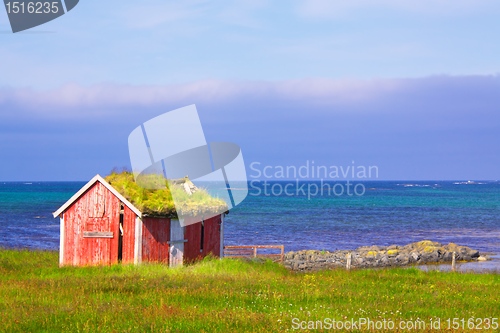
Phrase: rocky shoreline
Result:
[423,252]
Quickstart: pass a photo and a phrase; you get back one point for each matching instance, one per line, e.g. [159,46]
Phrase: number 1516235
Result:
[35,7]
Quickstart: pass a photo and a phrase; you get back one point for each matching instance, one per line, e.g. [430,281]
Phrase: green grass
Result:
[158,201]
[225,296]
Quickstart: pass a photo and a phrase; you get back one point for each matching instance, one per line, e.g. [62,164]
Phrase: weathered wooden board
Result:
[98,234]
[177,241]
[238,251]
[155,237]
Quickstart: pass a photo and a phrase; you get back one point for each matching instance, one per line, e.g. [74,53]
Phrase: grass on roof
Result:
[160,202]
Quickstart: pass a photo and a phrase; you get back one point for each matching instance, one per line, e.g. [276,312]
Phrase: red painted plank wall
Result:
[96,210]
[211,242]
[128,236]
[155,237]
[212,236]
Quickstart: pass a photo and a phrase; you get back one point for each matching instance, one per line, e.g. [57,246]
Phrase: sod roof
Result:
[159,201]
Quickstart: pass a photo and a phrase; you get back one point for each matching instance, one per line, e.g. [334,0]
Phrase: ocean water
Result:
[388,212]
[26,208]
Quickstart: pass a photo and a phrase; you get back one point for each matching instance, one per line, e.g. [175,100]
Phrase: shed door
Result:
[97,235]
[176,243]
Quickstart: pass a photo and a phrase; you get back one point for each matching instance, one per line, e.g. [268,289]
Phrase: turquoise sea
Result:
[388,212]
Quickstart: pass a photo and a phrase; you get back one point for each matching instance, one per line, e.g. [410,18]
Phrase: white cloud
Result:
[314,95]
[72,96]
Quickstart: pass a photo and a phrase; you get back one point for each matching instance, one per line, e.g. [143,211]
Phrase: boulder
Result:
[402,259]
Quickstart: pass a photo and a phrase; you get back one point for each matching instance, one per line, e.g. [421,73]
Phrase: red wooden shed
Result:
[99,226]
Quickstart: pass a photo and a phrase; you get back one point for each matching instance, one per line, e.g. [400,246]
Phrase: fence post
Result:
[348,261]
[453,261]
[255,252]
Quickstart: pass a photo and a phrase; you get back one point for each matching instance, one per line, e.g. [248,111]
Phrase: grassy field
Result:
[234,296]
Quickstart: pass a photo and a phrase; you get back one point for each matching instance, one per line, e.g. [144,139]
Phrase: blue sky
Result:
[412,87]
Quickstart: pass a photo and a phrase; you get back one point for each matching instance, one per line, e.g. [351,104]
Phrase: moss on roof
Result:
[159,202]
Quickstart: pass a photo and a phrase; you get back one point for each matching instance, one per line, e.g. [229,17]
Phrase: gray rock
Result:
[375,256]
[403,259]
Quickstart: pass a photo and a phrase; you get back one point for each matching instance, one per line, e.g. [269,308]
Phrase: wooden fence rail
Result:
[245,251]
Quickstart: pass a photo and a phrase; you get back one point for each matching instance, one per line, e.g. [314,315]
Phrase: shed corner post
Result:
[61,239]
[221,253]
[138,241]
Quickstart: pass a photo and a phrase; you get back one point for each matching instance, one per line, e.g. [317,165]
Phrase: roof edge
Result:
[97,178]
